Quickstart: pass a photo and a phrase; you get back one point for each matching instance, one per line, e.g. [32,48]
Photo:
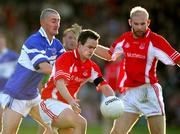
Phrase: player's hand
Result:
[75,106]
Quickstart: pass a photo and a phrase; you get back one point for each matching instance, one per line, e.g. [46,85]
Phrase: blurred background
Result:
[20,18]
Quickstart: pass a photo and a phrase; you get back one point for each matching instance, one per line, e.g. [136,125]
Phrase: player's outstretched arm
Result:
[45,68]
[61,86]
[102,52]
[107,90]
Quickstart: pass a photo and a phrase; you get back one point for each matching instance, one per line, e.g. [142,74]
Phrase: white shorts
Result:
[50,109]
[20,106]
[144,100]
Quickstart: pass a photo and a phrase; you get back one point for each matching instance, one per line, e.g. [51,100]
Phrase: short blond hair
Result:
[138,9]
[75,28]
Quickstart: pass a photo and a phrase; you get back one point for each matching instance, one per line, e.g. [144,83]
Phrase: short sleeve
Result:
[35,52]
[62,67]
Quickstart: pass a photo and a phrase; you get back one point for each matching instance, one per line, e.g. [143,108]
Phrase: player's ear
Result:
[129,21]
[42,23]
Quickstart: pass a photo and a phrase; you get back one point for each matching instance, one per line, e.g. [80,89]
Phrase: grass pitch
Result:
[30,127]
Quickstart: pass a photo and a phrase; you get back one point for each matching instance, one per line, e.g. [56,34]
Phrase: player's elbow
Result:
[45,68]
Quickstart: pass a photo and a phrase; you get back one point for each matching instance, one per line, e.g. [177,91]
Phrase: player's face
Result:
[51,24]
[69,41]
[88,48]
[139,24]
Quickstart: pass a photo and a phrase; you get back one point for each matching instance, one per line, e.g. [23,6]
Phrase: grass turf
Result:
[30,127]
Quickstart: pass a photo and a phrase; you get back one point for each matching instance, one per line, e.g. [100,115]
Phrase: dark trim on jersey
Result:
[37,66]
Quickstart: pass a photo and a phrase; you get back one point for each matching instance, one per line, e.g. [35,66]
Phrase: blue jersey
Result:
[8,60]
[36,49]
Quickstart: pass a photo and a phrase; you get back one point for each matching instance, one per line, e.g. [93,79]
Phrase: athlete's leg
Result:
[66,131]
[34,113]
[69,119]
[1,111]
[40,129]
[124,124]
[11,121]
[157,124]
[107,125]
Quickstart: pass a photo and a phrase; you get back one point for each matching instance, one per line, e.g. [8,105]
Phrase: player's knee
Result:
[114,132]
[158,130]
[82,122]
[48,130]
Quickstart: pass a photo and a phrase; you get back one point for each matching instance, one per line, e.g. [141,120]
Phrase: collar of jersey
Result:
[147,32]
[43,33]
[76,54]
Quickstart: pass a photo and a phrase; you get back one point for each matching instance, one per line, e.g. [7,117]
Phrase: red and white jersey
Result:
[75,73]
[141,57]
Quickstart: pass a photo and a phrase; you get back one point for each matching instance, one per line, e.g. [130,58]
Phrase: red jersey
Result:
[75,73]
[141,56]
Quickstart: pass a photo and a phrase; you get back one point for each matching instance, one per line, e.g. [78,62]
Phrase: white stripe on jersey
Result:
[47,111]
[117,50]
[163,57]
[71,68]
[174,55]
[54,93]
[123,80]
[32,50]
[94,75]
[149,62]
[53,71]
[75,53]
[25,61]
[60,72]
[62,50]
[37,57]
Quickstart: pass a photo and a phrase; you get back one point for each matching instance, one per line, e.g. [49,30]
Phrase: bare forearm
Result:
[64,91]
[102,52]
[107,90]
[45,68]
[60,84]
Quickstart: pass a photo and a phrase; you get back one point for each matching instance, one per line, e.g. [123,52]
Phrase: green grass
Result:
[30,127]
[143,130]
